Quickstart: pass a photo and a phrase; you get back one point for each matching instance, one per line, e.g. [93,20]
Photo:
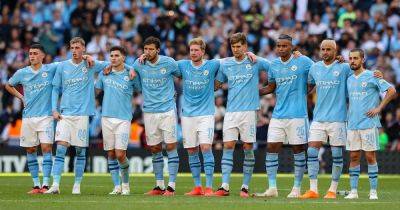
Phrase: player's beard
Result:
[355,67]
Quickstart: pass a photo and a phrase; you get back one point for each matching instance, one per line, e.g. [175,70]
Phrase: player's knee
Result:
[370,157]
[171,146]
[298,148]
[156,149]
[205,147]
[64,143]
[111,154]
[247,146]
[46,148]
[273,147]
[229,145]
[121,157]
[31,150]
[354,157]
[315,144]
[192,150]
[80,151]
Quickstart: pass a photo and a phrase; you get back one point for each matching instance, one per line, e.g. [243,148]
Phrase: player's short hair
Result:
[360,51]
[198,41]
[121,49]
[77,40]
[238,37]
[152,40]
[285,37]
[38,46]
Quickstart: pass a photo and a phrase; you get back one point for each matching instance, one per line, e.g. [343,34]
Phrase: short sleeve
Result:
[16,78]
[264,64]
[271,76]
[307,64]
[382,84]
[99,82]
[174,68]
[100,65]
[311,79]
[220,75]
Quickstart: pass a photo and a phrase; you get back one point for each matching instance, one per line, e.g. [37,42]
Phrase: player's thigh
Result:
[45,130]
[122,132]
[337,134]
[230,127]
[189,132]
[151,124]
[107,129]
[247,126]
[28,137]
[353,142]
[80,131]
[297,131]
[64,129]
[205,132]
[318,132]
[168,124]
[369,139]
[276,131]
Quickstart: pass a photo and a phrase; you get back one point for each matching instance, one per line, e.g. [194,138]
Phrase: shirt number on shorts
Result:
[82,134]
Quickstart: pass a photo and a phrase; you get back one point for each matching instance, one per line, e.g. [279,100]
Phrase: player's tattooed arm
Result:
[390,95]
[270,88]
[378,74]
[217,85]
[11,89]
[297,53]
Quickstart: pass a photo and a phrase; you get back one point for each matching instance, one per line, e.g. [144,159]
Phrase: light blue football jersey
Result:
[330,82]
[198,87]
[364,94]
[118,91]
[242,77]
[291,86]
[37,89]
[157,83]
[76,82]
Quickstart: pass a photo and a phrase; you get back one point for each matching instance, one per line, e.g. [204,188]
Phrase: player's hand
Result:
[107,70]
[142,58]
[57,115]
[378,74]
[297,54]
[252,57]
[89,60]
[373,112]
[132,74]
[340,59]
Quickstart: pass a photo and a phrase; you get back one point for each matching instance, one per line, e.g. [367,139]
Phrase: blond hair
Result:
[198,41]
[77,40]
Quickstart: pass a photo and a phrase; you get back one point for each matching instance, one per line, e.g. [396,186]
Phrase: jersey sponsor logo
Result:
[286,80]
[44,74]
[293,68]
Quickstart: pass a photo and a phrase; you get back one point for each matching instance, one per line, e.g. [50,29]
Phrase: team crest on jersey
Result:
[364,84]
[44,74]
[126,78]
[163,71]
[84,69]
[205,72]
[336,73]
[248,66]
[293,68]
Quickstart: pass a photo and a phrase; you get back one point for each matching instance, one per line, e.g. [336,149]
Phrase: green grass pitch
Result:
[95,188]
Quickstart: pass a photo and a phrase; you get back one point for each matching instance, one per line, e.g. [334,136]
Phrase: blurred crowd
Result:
[372,25]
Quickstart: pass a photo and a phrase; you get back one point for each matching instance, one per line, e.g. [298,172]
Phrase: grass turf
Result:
[95,188]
